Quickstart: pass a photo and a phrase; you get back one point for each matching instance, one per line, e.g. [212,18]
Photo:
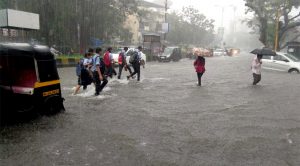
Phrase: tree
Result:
[265,12]
[190,27]
[3,4]
[69,23]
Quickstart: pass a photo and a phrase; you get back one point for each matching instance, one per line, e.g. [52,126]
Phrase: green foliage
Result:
[77,56]
[3,4]
[265,16]
[190,27]
[72,23]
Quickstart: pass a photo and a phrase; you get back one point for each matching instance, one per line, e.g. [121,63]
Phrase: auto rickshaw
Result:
[29,80]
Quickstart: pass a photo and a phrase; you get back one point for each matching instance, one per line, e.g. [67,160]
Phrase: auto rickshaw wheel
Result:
[53,105]
[25,105]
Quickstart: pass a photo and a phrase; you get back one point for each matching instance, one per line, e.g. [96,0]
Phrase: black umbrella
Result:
[264,51]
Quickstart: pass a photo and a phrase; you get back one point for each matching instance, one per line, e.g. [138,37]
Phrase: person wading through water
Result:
[98,70]
[136,63]
[199,65]
[109,63]
[122,62]
[256,68]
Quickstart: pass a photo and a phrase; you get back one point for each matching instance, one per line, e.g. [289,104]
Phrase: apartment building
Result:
[150,19]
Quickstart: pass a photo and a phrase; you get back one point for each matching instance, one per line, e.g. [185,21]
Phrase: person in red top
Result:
[109,62]
[199,65]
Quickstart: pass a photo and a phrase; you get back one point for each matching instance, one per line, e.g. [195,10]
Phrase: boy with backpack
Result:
[98,69]
[84,77]
[135,60]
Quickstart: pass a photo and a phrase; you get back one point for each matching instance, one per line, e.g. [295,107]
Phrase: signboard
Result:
[18,19]
[165,27]
[5,32]
[96,42]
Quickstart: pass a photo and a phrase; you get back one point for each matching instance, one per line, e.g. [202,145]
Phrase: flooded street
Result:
[166,119]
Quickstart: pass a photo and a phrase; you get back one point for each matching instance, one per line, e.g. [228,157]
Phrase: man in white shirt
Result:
[122,62]
[256,68]
[137,64]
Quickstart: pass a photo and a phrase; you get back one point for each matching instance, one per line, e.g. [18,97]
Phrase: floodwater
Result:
[166,119]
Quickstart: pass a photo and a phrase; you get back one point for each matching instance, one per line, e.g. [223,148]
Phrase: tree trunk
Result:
[263,31]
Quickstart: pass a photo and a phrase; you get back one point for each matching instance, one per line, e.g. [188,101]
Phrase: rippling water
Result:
[166,119]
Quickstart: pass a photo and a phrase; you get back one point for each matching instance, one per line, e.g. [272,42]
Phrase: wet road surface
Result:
[166,119]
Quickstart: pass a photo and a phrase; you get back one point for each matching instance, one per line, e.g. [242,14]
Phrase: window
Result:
[266,57]
[292,57]
[22,71]
[279,58]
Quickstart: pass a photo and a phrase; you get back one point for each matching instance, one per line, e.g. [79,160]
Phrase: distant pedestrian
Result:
[122,62]
[256,68]
[199,65]
[98,70]
[136,63]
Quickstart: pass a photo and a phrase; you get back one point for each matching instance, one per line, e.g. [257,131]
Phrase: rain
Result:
[216,82]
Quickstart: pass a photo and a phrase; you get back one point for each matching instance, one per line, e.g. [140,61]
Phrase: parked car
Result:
[189,53]
[170,53]
[219,52]
[282,62]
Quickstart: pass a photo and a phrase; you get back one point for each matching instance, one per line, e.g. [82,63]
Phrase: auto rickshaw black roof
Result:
[39,52]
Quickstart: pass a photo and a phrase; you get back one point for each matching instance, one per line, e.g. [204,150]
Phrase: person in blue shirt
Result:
[98,70]
[85,77]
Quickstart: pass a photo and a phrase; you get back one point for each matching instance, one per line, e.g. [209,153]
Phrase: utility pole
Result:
[276,29]
[234,24]
[166,8]
[222,16]
[78,27]
[16,4]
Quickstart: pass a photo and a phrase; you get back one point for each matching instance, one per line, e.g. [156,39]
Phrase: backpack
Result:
[120,59]
[79,67]
[133,57]
[102,65]
[85,77]
[106,59]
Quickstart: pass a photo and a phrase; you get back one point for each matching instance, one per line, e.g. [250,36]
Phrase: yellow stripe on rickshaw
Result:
[42,84]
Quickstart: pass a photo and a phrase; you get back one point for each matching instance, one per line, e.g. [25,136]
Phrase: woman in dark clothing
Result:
[199,65]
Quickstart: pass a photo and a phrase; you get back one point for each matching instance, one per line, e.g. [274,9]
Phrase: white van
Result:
[282,62]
